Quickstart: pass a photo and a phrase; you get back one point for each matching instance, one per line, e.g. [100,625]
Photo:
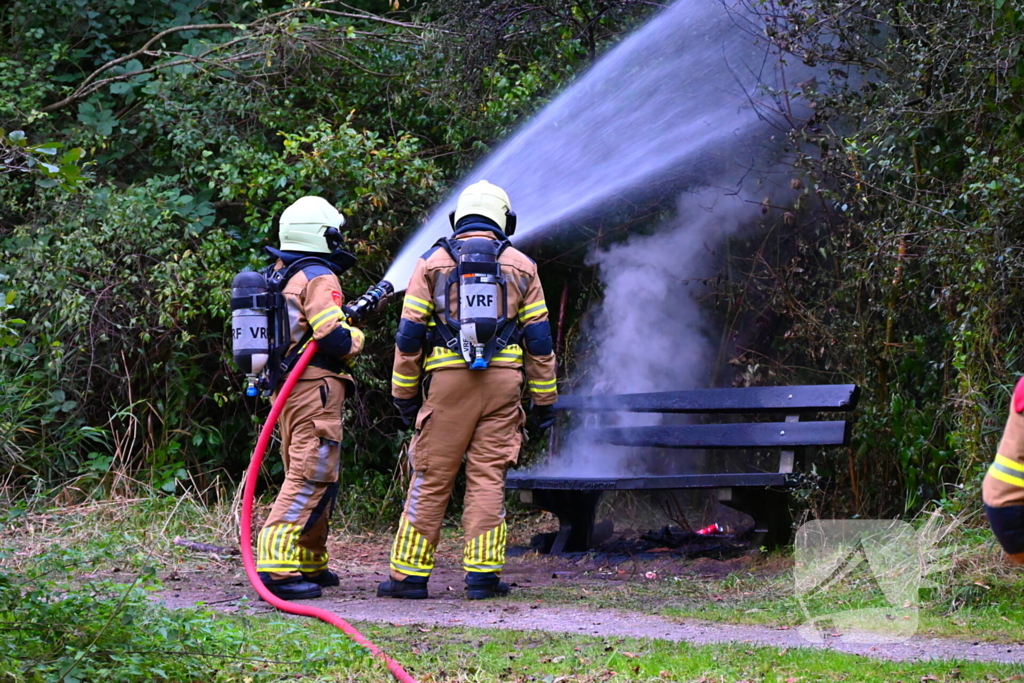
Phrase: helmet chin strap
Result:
[510,222]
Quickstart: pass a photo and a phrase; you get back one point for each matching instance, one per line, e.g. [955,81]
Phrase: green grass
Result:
[979,598]
[106,627]
[456,655]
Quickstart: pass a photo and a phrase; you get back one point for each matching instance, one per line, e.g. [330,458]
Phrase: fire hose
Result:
[247,557]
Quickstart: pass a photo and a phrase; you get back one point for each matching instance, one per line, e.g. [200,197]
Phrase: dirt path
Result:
[355,601]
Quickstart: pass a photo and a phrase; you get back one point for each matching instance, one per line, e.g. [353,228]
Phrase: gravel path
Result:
[452,611]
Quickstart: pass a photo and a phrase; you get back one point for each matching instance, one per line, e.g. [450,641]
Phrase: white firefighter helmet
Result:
[304,224]
[489,201]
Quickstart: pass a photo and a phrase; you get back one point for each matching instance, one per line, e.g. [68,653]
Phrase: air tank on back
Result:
[250,337]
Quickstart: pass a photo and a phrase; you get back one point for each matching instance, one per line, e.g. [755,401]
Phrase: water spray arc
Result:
[672,99]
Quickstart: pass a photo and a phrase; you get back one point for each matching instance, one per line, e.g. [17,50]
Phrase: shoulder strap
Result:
[281,362]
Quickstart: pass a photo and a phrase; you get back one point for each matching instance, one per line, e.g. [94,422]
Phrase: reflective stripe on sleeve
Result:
[1008,471]
[532,311]
[543,387]
[405,380]
[419,304]
[323,316]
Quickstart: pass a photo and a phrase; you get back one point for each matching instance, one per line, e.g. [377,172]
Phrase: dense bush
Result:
[902,269]
[60,623]
[193,124]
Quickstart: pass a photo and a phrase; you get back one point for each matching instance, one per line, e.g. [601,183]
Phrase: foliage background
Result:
[147,147]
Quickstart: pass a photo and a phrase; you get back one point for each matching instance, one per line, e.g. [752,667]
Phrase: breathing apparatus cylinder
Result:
[478,313]
[482,298]
[250,334]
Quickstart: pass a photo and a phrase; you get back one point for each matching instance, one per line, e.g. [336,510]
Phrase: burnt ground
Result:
[220,584]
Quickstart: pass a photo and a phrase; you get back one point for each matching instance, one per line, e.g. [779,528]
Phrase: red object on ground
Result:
[1018,396]
[247,558]
[710,529]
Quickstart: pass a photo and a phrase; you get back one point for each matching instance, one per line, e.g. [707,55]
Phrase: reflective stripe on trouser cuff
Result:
[486,552]
[278,550]
[1008,471]
[411,554]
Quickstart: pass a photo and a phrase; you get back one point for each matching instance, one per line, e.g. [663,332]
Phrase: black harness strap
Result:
[448,330]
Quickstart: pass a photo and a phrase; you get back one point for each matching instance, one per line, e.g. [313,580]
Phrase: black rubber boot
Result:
[291,588]
[324,579]
[483,585]
[410,588]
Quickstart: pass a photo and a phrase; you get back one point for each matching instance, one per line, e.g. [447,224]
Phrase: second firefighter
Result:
[474,329]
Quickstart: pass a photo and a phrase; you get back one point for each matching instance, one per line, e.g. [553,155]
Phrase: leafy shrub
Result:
[59,627]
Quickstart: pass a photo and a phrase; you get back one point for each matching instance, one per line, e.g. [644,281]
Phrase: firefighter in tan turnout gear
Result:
[291,550]
[1003,488]
[474,328]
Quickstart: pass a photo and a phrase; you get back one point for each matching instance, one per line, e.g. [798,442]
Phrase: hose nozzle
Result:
[372,301]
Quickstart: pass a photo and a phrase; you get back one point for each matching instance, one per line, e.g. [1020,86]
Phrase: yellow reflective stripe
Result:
[997,472]
[309,568]
[434,364]
[401,376]
[1004,477]
[486,552]
[277,549]
[418,304]
[323,316]
[411,553]
[533,306]
[512,352]
[1006,462]
[532,311]
[403,381]
[543,386]
[442,357]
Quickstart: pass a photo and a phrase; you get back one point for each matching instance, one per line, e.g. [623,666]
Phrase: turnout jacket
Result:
[534,351]
[314,300]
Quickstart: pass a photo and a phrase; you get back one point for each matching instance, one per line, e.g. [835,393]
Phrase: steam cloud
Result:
[651,333]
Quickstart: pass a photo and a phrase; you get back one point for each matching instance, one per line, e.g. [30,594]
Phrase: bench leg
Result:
[773,521]
[575,511]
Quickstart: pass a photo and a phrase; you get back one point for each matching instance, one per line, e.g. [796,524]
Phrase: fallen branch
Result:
[205,547]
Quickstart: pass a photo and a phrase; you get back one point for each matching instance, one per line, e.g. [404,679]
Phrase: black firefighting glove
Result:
[543,416]
[407,409]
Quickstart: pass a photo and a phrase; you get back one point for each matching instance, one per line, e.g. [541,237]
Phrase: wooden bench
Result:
[762,495]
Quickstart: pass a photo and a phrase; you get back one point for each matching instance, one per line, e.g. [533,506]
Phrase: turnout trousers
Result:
[471,416]
[294,537]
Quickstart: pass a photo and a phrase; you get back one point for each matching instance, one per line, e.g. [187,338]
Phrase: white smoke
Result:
[652,331]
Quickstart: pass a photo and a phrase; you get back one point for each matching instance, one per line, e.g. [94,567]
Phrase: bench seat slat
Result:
[681,481]
[744,435]
[794,399]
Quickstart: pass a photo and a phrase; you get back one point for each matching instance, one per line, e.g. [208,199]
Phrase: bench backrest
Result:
[795,399]
[792,401]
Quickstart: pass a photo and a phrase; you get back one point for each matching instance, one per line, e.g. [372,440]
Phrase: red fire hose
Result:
[250,565]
